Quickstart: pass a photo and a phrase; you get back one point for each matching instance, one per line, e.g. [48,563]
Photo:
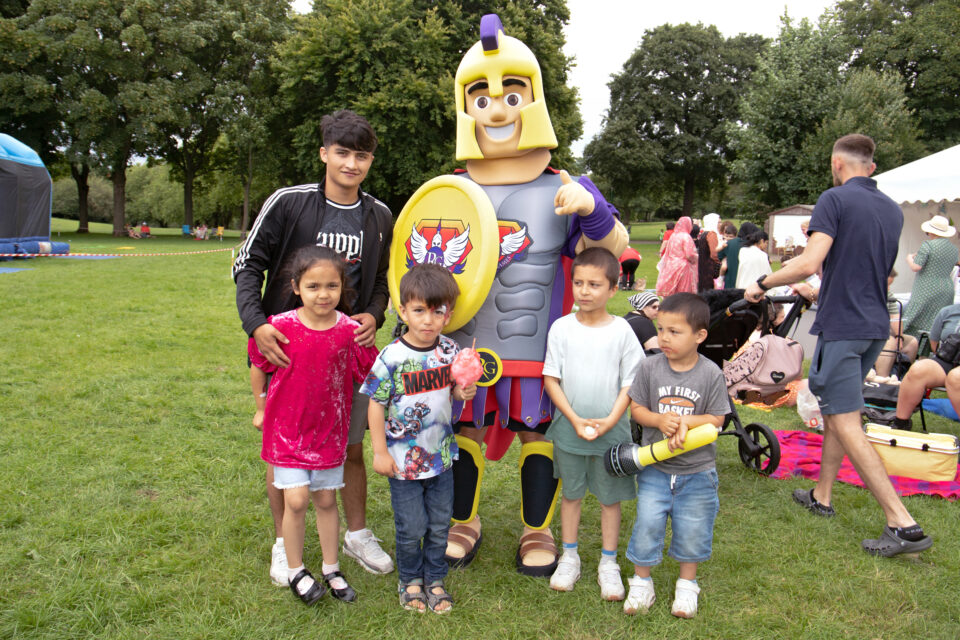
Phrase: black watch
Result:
[760,283]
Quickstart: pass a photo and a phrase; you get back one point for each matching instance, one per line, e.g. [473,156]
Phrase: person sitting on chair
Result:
[898,342]
[936,371]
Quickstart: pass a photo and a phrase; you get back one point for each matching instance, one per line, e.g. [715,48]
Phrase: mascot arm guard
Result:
[626,458]
[602,228]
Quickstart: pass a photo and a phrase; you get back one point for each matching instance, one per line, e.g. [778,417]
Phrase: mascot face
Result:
[499,94]
[499,125]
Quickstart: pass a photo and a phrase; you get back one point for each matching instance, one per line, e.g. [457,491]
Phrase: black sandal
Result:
[434,599]
[314,593]
[347,594]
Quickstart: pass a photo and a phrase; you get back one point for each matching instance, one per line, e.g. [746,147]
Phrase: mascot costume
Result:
[507,228]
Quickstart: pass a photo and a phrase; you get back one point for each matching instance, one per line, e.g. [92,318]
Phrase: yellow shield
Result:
[449,221]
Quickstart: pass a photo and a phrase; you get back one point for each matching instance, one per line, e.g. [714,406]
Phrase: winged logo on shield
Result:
[447,255]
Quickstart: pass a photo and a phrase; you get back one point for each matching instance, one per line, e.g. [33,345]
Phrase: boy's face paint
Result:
[424,323]
[498,117]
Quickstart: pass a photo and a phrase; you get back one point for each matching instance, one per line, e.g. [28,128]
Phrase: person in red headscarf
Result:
[678,266]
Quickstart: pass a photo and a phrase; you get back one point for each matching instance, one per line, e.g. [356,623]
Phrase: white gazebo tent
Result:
[924,188]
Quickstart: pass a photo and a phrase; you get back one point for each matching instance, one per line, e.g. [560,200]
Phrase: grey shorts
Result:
[580,472]
[358,416]
[837,371]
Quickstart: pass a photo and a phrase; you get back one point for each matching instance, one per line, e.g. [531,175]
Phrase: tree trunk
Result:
[119,178]
[248,179]
[80,176]
[189,173]
[688,181]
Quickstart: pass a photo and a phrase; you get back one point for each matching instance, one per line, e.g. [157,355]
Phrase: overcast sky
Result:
[602,34]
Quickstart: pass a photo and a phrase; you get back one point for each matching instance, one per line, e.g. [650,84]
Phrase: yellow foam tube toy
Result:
[627,458]
[660,451]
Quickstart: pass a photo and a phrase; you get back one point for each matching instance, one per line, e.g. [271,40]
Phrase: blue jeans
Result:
[421,512]
[691,502]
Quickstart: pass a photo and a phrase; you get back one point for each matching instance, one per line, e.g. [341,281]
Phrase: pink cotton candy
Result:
[466,368]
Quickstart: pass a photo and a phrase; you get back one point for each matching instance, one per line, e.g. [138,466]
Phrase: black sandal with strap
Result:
[347,594]
[314,593]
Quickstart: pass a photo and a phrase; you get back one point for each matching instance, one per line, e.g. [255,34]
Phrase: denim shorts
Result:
[318,479]
[579,472]
[692,503]
[837,371]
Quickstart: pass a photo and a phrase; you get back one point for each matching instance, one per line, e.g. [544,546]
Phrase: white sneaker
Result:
[611,584]
[365,550]
[278,565]
[641,596]
[566,574]
[685,599]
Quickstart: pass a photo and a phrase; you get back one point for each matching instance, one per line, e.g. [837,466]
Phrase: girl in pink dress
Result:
[304,411]
[678,266]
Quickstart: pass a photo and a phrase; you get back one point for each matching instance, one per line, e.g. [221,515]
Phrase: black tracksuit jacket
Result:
[292,218]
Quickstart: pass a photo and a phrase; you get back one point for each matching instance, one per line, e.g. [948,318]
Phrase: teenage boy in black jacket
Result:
[337,214]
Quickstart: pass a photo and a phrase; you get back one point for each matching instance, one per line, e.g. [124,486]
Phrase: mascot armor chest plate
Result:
[527,293]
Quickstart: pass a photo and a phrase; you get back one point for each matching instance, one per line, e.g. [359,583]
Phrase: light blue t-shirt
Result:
[593,365]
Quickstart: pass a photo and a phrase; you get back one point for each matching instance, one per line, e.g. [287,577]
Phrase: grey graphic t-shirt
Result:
[701,390]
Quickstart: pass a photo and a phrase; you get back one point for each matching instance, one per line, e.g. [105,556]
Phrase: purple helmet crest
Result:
[490,28]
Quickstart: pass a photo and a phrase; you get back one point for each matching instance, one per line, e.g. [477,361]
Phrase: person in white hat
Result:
[933,288]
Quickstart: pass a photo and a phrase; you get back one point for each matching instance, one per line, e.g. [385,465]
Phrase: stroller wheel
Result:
[760,449]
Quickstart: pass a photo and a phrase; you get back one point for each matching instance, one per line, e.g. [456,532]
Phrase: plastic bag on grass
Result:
[808,409]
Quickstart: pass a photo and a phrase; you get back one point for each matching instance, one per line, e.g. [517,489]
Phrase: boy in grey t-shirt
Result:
[672,392]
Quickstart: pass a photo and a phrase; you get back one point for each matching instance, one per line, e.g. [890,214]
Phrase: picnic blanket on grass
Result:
[800,458]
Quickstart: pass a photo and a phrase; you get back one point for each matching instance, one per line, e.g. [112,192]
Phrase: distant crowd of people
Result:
[718,255]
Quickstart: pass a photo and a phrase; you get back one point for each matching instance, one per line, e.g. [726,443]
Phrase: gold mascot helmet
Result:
[497,55]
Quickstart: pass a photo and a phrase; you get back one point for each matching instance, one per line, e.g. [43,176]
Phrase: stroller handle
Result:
[743,303]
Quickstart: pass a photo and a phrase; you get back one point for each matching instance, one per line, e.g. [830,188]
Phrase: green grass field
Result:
[132,502]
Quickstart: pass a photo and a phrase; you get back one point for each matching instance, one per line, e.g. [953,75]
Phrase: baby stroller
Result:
[732,320]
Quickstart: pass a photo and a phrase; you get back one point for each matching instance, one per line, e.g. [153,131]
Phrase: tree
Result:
[867,102]
[664,134]
[394,62]
[231,39]
[801,98]
[917,39]
[28,110]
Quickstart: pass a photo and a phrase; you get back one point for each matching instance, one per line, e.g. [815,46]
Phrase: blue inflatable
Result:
[25,201]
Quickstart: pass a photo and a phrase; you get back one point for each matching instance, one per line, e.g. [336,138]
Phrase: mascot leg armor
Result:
[467,475]
[538,499]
